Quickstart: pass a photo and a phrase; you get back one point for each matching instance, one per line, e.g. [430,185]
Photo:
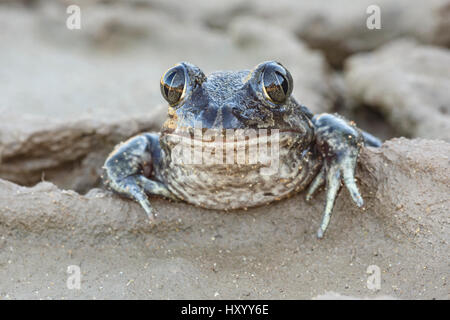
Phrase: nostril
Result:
[230,114]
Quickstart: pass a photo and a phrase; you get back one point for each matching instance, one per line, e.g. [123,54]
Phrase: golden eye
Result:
[277,83]
[173,84]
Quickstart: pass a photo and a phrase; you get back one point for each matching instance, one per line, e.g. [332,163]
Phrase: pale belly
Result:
[242,183]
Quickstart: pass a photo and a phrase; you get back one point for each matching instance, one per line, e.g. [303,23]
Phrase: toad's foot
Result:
[338,142]
[127,168]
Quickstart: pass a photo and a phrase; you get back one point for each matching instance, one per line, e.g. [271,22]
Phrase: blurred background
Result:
[67,96]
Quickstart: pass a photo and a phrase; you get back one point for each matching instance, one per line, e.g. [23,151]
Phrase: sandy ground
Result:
[67,97]
[262,253]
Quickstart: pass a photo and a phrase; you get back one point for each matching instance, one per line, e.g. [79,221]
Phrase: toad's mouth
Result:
[244,147]
[233,135]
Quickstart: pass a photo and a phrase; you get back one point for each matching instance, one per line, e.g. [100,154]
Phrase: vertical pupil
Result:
[284,83]
[173,85]
[276,85]
[168,83]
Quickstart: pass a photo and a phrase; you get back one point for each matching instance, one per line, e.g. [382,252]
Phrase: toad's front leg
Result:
[128,167]
[339,142]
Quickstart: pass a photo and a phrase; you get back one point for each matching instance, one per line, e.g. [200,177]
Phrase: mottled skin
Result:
[313,150]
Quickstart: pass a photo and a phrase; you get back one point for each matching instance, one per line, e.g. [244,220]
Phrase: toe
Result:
[349,181]
[318,181]
[333,184]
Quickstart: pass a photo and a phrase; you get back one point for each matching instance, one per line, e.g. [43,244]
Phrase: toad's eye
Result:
[277,82]
[173,84]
